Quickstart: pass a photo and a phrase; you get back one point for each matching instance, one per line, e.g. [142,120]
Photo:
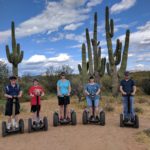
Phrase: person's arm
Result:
[20,94]
[43,93]
[30,92]
[6,93]
[58,89]
[98,91]
[121,90]
[7,96]
[69,89]
[134,90]
[85,90]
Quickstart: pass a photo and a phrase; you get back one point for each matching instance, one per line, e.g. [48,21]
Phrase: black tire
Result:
[21,125]
[136,123]
[29,125]
[85,117]
[45,121]
[4,129]
[73,118]
[55,119]
[121,120]
[102,118]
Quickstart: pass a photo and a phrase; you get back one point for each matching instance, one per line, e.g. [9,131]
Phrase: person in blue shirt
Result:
[93,88]
[63,89]
[12,89]
[127,87]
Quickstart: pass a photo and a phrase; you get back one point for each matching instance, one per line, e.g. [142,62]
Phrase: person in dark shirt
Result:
[12,89]
[128,88]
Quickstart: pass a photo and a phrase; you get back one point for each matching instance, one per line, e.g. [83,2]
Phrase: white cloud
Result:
[72,26]
[37,64]
[92,3]
[55,15]
[123,5]
[140,39]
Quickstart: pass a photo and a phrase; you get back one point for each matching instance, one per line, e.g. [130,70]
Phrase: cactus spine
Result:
[15,57]
[95,64]
[117,57]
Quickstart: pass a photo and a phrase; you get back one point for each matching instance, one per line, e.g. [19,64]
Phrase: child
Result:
[13,89]
[35,90]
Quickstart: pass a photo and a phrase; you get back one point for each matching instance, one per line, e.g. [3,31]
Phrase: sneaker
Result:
[16,125]
[97,118]
[68,119]
[8,126]
[91,117]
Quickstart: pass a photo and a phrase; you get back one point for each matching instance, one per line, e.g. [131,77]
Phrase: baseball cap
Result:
[12,78]
[126,73]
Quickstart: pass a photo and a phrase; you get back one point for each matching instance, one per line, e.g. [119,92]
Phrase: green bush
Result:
[146,86]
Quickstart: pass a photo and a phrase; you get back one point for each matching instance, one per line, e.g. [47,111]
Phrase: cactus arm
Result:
[80,68]
[108,69]
[102,69]
[118,52]
[89,52]
[125,54]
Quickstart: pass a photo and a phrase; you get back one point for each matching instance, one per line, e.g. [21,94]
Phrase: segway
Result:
[56,119]
[13,128]
[38,124]
[129,121]
[86,118]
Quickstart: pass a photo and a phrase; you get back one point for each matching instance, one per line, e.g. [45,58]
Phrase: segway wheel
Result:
[73,118]
[4,129]
[102,118]
[29,125]
[121,120]
[55,119]
[21,125]
[136,124]
[45,121]
[85,117]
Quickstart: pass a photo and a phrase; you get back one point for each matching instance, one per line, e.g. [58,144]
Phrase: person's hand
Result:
[9,96]
[124,93]
[68,94]
[31,95]
[133,93]
[19,96]
[97,93]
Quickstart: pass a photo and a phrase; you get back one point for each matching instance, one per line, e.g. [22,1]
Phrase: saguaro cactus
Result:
[15,57]
[115,57]
[95,64]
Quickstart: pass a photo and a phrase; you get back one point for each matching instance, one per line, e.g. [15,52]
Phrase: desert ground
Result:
[80,137]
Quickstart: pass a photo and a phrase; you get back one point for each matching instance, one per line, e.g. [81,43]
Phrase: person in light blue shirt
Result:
[63,89]
[92,88]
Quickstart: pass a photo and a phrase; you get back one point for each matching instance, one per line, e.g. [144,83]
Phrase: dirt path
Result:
[80,137]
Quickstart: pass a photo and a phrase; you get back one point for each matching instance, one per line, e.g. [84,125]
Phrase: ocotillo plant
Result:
[115,57]
[95,65]
[15,57]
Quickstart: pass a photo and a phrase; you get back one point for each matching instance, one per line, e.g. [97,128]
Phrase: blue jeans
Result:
[89,101]
[125,107]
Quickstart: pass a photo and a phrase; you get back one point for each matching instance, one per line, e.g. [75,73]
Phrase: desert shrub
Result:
[146,86]
[138,110]
[142,100]
[147,132]
[109,108]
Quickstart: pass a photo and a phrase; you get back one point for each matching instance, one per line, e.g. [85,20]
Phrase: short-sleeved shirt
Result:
[92,88]
[127,85]
[63,86]
[32,91]
[12,90]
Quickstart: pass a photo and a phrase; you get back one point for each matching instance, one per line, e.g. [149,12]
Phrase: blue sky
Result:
[51,32]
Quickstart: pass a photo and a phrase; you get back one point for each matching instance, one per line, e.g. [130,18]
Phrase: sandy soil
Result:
[79,137]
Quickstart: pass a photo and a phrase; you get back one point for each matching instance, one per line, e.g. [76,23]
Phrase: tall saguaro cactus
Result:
[15,57]
[95,64]
[115,57]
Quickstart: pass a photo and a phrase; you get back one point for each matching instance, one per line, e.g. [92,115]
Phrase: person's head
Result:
[91,79]
[126,75]
[35,82]
[13,80]
[62,75]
